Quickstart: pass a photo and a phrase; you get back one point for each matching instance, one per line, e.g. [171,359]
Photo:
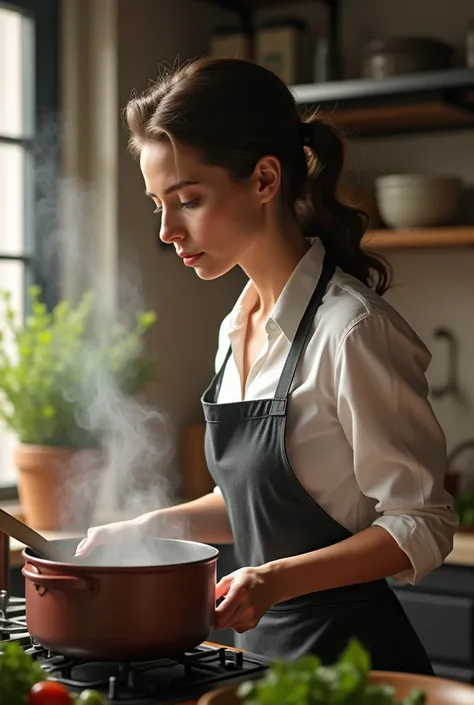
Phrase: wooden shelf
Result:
[419,238]
[432,101]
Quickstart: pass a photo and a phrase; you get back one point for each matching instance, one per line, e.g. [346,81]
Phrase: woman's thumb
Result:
[223,586]
[86,545]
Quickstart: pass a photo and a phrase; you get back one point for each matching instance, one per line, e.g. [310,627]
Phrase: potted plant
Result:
[54,367]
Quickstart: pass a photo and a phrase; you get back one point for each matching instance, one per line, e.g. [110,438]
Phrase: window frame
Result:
[45,15]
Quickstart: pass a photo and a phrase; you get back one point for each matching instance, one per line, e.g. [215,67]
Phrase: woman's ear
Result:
[267,178]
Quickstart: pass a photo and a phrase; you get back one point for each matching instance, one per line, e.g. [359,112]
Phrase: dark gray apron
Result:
[272,516]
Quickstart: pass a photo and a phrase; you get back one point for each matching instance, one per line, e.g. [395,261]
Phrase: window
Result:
[16,133]
[28,89]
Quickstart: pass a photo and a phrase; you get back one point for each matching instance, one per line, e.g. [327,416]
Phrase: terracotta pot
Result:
[58,486]
[160,603]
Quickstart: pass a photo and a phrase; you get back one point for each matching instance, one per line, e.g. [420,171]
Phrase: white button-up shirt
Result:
[361,438]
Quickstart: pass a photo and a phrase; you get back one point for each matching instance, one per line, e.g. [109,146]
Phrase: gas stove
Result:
[160,682]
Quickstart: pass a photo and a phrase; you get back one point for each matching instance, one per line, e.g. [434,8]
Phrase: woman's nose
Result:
[171,231]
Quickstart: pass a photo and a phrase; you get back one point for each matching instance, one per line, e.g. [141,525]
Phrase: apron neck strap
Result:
[218,378]
[303,330]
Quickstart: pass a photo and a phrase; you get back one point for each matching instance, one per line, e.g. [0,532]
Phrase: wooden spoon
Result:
[23,533]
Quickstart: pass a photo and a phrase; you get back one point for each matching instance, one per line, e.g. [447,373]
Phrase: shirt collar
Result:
[294,298]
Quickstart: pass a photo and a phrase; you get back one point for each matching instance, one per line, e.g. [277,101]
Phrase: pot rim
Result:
[82,567]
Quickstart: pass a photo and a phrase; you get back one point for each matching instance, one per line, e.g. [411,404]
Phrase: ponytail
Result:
[320,212]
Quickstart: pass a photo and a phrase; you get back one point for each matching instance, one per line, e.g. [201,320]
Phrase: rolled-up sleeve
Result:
[399,449]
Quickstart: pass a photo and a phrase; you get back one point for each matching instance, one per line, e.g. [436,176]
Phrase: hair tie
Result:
[306,133]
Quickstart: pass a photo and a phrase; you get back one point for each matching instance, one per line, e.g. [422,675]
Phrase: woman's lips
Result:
[189,259]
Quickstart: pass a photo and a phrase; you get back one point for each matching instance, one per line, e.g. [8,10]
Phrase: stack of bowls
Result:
[417,200]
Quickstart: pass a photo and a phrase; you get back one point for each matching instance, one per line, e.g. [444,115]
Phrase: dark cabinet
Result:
[441,609]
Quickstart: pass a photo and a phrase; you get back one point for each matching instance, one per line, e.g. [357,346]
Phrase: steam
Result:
[133,471]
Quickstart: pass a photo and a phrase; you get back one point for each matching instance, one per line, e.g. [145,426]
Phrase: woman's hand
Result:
[248,593]
[99,535]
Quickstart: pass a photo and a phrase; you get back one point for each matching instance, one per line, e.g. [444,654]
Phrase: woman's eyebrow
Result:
[174,187]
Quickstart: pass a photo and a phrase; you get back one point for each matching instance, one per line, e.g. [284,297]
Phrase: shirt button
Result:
[272,325]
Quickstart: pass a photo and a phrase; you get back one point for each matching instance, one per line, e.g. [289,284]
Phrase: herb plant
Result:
[54,365]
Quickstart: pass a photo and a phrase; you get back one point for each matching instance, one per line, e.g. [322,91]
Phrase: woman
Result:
[327,459]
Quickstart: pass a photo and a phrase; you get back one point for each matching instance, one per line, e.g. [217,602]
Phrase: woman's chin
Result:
[209,273]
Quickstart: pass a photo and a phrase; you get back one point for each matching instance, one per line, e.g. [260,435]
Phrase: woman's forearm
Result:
[204,519]
[369,555]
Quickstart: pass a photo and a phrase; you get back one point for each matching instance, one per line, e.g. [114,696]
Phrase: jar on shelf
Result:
[326,61]
[282,46]
[230,42]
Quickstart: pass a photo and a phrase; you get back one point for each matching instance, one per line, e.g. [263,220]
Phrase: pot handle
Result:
[63,583]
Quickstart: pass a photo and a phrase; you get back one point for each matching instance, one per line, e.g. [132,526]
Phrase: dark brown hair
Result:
[234,112]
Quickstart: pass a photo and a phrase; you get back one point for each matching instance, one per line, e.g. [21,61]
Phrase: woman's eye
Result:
[189,204]
[186,204]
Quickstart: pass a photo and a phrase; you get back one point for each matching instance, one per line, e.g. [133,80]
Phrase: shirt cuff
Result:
[413,536]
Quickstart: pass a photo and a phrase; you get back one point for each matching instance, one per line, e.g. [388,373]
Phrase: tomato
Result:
[90,697]
[49,693]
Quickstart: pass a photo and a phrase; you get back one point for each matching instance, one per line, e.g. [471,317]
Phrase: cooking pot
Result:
[132,610]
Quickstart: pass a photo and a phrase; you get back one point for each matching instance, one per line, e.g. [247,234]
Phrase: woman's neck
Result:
[270,263]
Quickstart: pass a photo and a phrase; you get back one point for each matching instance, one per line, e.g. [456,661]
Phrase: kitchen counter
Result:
[463,550]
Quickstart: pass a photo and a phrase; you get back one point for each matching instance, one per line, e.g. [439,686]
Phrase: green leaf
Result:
[416,697]
[379,695]
[18,673]
[34,291]
[146,320]
[356,656]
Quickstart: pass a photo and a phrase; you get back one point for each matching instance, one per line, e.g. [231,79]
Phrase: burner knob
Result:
[3,603]
[112,688]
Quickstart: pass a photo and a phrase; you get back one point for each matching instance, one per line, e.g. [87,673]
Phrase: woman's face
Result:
[203,213]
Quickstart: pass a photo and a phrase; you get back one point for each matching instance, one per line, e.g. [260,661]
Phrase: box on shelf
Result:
[230,42]
[283,47]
